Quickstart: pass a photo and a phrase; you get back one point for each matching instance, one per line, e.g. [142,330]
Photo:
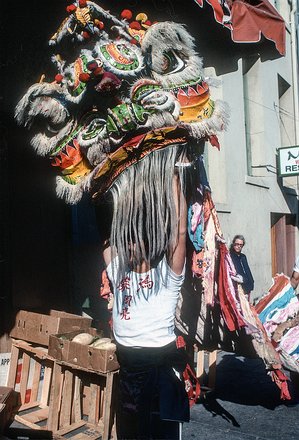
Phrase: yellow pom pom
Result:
[141,17]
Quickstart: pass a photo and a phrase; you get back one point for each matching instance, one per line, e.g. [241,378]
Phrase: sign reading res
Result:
[288,161]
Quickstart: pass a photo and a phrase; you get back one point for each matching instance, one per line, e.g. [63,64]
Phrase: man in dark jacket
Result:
[241,264]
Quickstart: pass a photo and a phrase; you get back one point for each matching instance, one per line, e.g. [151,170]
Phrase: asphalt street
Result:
[245,405]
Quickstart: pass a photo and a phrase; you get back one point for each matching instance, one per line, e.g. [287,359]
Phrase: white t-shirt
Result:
[296,267]
[144,305]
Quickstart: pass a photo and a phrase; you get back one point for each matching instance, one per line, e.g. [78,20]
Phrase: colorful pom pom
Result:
[133,41]
[84,77]
[99,24]
[71,8]
[85,35]
[126,14]
[92,65]
[58,78]
[135,25]
[141,17]
[147,23]
[82,3]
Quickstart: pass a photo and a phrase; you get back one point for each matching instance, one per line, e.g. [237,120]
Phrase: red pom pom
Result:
[148,23]
[82,3]
[135,25]
[98,71]
[99,24]
[126,14]
[84,77]
[58,78]
[71,8]
[92,65]
[85,35]
[133,41]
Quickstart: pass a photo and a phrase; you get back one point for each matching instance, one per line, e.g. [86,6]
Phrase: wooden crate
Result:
[82,399]
[206,368]
[59,398]
[37,327]
[30,373]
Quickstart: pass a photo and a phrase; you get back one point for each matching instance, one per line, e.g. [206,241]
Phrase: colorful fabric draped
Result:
[213,307]
[279,312]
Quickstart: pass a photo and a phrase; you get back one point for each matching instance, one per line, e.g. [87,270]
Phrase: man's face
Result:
[238,245]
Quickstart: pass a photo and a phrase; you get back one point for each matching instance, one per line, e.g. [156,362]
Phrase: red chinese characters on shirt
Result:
[145,282]
[125,284]
[125,313]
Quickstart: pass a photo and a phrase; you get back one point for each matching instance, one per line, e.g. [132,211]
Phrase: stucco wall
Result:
[245,202]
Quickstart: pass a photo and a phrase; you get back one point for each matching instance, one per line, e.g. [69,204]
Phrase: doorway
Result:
[283,243]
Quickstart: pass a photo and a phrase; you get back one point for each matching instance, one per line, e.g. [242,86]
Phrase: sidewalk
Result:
[245,405]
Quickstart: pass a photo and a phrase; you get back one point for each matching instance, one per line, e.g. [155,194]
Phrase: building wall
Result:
[243,176]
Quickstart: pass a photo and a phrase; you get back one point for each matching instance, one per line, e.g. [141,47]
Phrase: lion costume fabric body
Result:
[128,105]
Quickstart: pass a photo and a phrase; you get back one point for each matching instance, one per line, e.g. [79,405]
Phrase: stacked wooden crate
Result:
[62,393]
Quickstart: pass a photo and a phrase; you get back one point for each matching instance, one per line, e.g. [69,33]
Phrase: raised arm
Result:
[107,253]
[177,255]
[294,279]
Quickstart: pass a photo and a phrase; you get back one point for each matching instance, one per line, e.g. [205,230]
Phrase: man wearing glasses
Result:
[239,259]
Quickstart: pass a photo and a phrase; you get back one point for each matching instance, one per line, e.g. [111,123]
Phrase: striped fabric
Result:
[276,309]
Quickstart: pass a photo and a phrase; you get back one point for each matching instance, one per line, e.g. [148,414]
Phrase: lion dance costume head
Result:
[128,107]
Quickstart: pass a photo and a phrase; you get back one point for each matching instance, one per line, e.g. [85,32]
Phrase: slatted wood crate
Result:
[30,373]
[82,399]
[206,368]
[61,398]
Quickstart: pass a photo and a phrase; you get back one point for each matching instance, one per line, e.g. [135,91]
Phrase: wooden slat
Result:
[107,406]
[24,376]
[36,416]
[94,404]
[26,422]
[77,409]
[71,428]
[13,365]
[55,395]
[200,363]
[35,382]
[44,400]
[39,352]
[66,403]
[29,405]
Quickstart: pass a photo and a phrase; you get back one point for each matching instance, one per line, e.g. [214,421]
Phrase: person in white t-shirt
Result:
[152,399]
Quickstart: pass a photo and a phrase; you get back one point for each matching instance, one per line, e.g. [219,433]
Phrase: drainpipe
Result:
[295,66]
[295,60]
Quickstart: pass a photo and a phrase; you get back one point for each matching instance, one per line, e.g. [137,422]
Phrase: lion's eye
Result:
[51,129]
[172,63]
